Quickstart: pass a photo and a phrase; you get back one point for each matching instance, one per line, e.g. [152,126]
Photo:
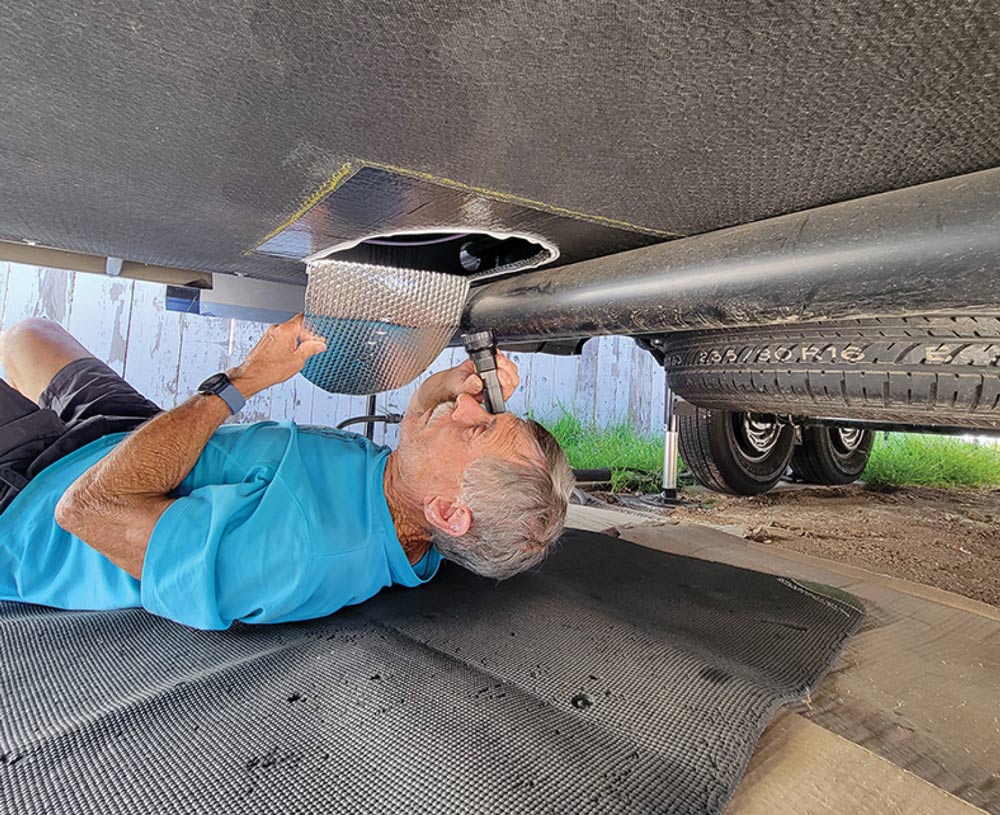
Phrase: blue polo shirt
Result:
[275,523]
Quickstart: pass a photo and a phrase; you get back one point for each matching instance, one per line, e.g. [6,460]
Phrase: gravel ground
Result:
[944,538]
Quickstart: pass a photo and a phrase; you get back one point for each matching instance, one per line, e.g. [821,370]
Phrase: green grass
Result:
[635,461]
[897,460]
[906,459]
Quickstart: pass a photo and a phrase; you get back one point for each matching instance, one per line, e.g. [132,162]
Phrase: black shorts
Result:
[84,401]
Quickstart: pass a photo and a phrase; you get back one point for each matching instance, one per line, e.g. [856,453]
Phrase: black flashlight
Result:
[482,349]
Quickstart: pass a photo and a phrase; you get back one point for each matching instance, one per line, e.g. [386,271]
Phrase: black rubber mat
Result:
[617,679]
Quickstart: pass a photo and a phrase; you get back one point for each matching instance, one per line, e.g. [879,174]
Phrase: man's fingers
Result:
[506,367]
[305,335]
[309,348]
[507,374]
[473,384]
[302,332]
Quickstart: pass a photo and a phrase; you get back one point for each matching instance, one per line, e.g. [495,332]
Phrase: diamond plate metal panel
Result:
[383,325]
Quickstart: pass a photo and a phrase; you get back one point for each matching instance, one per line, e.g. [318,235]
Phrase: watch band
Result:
[232,397]
[219,385]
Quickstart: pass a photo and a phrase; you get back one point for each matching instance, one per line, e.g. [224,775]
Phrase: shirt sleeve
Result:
[228,552]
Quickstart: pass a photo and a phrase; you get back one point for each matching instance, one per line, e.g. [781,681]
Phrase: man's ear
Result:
[450,517]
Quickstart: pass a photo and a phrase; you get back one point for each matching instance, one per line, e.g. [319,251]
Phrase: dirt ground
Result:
[944,538]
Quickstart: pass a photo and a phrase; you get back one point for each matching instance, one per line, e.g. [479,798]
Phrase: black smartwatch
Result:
[219,385]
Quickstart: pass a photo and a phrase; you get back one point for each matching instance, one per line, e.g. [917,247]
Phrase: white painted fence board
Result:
[22,294]
[4,272]
[326,408]
[38,292]
[99,315]
[152,354]
[586,382]
[55,294]
[641,384]
[604,397]
[564,384]
[622,375]
[544,399]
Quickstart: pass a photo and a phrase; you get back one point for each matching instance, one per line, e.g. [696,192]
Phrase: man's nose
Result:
[468,410]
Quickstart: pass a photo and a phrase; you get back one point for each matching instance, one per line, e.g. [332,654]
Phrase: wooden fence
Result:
[165,354]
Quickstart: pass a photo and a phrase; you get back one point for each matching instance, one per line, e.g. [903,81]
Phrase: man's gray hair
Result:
[518,510]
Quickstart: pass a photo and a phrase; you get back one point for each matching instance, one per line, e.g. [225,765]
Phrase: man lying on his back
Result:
[109,502]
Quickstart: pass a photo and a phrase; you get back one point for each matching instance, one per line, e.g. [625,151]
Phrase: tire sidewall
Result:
[834,467]
[747,477]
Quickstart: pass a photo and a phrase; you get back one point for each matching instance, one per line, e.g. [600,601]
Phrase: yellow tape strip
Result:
[349,169]
[331,184]
[516,199]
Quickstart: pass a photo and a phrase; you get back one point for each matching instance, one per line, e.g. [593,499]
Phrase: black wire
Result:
[389,418]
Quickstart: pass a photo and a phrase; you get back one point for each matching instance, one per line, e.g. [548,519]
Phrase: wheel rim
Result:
[755,435]
[847,439]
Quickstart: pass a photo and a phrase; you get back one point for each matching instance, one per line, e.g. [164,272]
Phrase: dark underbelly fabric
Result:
[617,679]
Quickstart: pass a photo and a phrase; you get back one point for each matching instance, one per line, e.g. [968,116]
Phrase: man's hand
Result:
[279,355]
[445,386]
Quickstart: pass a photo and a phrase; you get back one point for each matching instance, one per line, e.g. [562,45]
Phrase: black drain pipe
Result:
[932,248]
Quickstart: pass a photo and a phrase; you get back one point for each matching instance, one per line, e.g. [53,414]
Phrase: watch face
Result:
[214,383]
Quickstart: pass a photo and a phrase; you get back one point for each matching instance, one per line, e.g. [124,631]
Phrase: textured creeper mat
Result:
[617,679]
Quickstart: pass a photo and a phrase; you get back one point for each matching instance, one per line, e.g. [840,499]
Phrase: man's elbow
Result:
[119,527]
[72,513]
[66,511]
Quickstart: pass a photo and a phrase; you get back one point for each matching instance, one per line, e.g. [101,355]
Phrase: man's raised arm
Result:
[114,506]
[445,386]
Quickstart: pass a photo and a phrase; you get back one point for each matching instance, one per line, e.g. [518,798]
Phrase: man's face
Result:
[438,445]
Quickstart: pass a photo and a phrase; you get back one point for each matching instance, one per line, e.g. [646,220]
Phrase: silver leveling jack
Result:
[668,495]
[482,350]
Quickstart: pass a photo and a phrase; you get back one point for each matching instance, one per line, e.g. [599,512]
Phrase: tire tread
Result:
[920,370]
[695,443]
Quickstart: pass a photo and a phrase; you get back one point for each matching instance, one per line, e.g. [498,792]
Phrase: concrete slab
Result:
[915,693]
[801,769]
[606,519]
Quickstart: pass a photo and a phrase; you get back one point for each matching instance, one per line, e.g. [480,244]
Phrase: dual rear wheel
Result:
[748,453]
[929,371]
